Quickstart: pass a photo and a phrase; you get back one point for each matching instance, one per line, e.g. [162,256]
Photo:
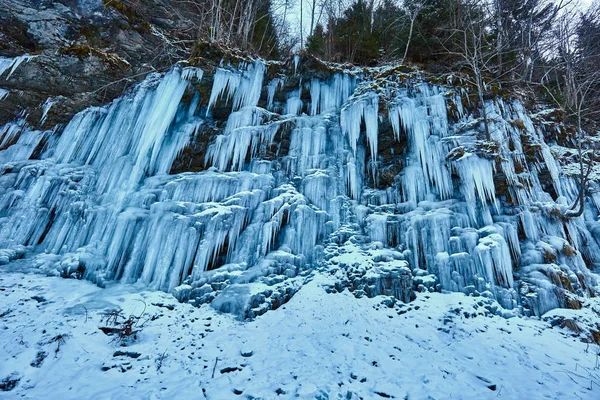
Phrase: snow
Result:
[317,344]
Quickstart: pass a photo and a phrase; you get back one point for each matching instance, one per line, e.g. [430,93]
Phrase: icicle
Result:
[242,134]
[426,124]
[308,145]
[46,108]
[294,104]
[223,80]
[493,260]
[245,87]
[271,89]
[333,92]
[12,63]
[553,168]
[377,227]
[320,189]
[138,126]
[192,73]
[365,108]
[477,178]
[315,96]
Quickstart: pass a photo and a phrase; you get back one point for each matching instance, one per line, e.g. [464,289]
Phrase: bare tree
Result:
[576,87]
[471,44]
[412,10]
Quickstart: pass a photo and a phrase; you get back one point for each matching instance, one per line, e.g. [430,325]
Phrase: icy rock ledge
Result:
[369,272]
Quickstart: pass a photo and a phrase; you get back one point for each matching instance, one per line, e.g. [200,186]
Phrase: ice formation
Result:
[286,185]
[11,64]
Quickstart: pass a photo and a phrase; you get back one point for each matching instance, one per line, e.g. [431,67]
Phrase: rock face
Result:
[85,52]
[229,185]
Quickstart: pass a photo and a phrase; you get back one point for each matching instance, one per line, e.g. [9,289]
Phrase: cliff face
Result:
[86,52]
[232,185]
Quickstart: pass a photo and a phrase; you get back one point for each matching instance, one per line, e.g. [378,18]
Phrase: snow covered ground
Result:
[317,346]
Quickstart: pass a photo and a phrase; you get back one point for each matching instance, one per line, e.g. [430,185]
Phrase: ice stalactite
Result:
[132,135]
[294,103]
[243,86]
[477,184]
[364,108]
[272,88]
[242,136]
[11,64]
[424,119]
[331,94]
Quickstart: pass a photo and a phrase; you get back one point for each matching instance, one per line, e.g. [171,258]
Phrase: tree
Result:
[520,28]
[245,24]
[355,38]
[412,10]
[471,44]
[577,88]
[389,27]
[315,44]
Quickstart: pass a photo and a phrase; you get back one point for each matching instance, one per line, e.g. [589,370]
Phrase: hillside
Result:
[282,229]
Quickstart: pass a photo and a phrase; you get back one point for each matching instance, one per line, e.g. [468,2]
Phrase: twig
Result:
[160,361]
[215,367]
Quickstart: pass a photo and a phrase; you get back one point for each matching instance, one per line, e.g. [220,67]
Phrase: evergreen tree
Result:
[315,44]
[355,38]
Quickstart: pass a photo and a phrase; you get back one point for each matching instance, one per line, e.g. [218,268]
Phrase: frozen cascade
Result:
[271,89]
[282,181]
[424,119]
[362,109]
[243,133]
[244,85]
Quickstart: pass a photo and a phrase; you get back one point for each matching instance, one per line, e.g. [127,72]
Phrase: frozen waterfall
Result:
[285,175]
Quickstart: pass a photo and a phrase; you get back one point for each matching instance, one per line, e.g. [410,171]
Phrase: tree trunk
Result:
[301,27]
[410,32]
[483,107]
[500,40]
